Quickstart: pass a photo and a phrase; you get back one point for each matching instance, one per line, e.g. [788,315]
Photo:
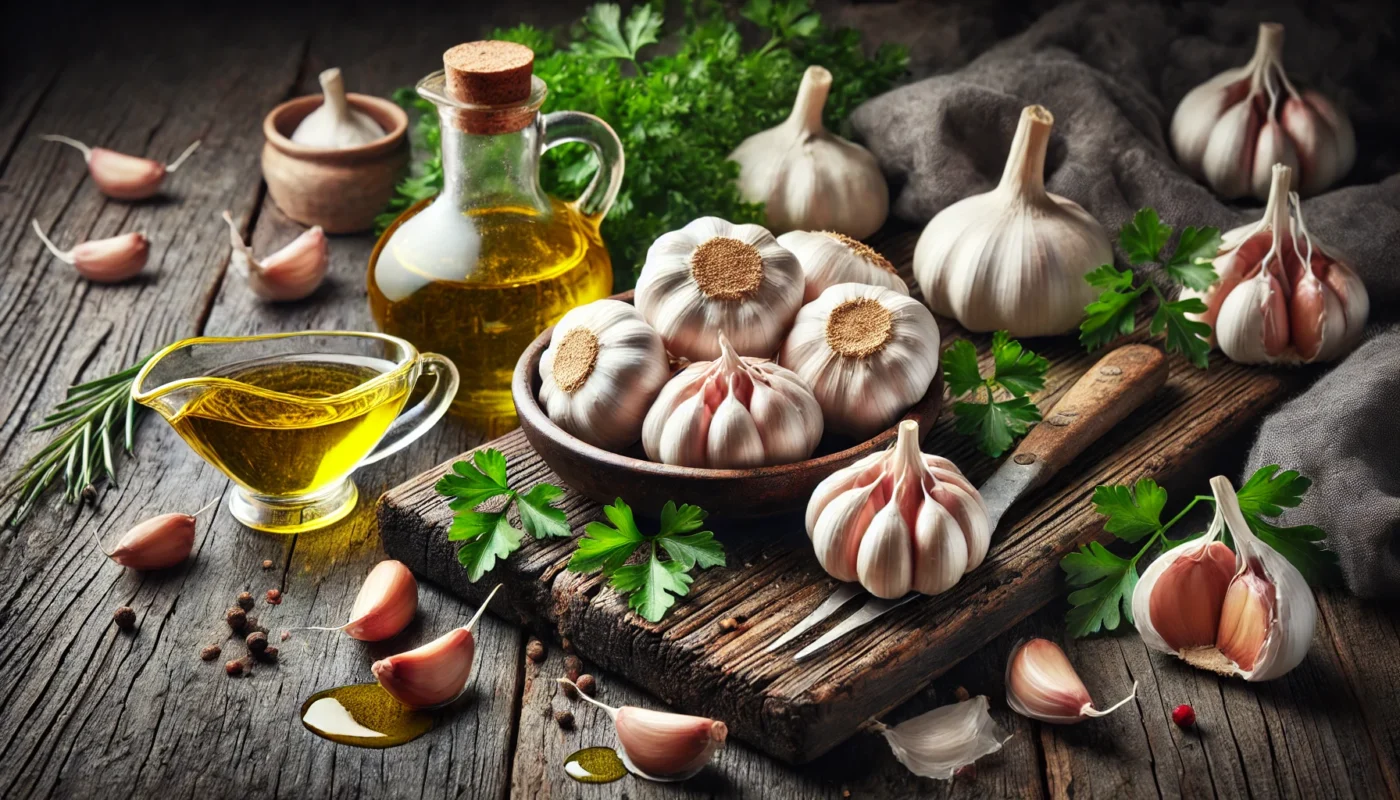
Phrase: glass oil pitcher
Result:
[477,272]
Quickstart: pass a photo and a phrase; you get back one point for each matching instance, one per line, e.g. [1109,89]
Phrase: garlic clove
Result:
[292,273]
[436,673]
[1185,610]
[660,745]
[885,558]
[109,260]
[1244,620]
[940,557]
[838,531]
[160,542]
[120,176]
[1343,135]
[1318,153]
[1272,147]
[940,742]
[1227,163]
[386,603]
[1041,684]
[1205,102]
[335,125]
[829,258]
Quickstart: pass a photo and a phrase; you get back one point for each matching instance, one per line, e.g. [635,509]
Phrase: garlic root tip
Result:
[65,257]
[174,165]
[82,148]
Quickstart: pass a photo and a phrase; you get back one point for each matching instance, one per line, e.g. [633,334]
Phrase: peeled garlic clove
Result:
[386,603]
[436,673]
[1014,258]
[292,273]
[121,176]
[603,368]
[940,742]
[829,258]
[732,413]
[160,542]
[334,125]
[713,276]
[660,745]
[103,260]
[1041,684]
[867,352]
[807,177]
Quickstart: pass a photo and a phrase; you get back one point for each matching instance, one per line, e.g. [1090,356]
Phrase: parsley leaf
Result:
[607,37]
[1191,265]
[1184,335]
[1144,237]
[1018,371]
[489,535]
[996,424]
[960,368]
[1132,513]
[1266,494]
[1268,491]
[1108,583]
[650,586]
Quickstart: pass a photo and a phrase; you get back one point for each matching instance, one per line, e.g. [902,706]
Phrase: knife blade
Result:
[1102,397]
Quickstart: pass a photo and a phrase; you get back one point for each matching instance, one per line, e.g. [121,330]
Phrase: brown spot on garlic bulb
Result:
[830,258]
[1232,129]
[160,542]
[898,521]
[867,352]
[121,176]
[602,369]
[713,276]
[109,260]
[1266,613]
[1281,297]
[436,673]
[660,745]
[334,125]
[809,178]
[733,413]
[1041,684]
[939,743]
[1013,258]
[292,273]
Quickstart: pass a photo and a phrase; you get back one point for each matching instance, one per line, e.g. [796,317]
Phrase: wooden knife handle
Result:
[1101,398]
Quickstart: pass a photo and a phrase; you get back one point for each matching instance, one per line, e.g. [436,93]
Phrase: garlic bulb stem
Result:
[811,100]
[1024,173]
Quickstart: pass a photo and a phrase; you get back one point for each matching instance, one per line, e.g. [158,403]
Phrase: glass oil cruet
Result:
[477,272]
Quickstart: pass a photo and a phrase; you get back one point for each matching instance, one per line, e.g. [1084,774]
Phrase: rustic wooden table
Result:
[86,710]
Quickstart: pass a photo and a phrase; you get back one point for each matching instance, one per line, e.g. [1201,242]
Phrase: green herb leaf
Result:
[996,425]
[479,554]
[1267,493]
[1018,370]
[1107,595]
[960,368]
[1132,513]
[608,37]
[538,515]
[1185,336]
[1270,490]
[695,548]
[469,487]
[1191,265]
[605,547]
[652,586]
[684,519]
[1114,313]
[471,524]
[492,463]
[1144,237]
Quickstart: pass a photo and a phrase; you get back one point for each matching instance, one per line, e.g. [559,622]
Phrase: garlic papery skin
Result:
[292,273]
[601,372]
[829,258]
[899,520]
[436,673]
[940,742]
[1266,612]
[120,176]
[334,125]
[733,413]
[109,260]
[809,178]
[1281,296]
[1041,684]
[868,353]
[713,276]
[1232,129]
[1014,258]
[660,745]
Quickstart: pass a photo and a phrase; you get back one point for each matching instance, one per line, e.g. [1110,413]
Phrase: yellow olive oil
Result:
[293,425]
[478,286]
[595,765]
[363,715]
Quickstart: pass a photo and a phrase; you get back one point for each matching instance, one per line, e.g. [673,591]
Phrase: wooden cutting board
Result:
[797,711]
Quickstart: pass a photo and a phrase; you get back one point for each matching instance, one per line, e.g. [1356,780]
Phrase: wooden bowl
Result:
[342,190]
[728,494]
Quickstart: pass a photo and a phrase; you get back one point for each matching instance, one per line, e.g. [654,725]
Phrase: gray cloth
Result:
[1112,76]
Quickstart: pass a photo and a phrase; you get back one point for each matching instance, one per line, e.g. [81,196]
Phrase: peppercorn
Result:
[534,650]
[566,644]
[587,685]
[210,653]
[573,667]
[565,719]
[267,563]
[961,694]
[268,654]
[274,596]
[245,601]
[569,690]
[1184,716]
[236,618]
[124,617]
[257,642]
[234,668]
[728,624]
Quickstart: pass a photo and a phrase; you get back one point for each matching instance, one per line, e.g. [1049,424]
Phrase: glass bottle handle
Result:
[418,420]
[576,126]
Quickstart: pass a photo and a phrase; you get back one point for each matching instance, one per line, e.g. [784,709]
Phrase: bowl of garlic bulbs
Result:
[715,384]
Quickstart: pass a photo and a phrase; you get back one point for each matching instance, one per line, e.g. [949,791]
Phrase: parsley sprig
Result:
[1114,313]
[652,584]
[489,535]
[994,423]
[1105,581]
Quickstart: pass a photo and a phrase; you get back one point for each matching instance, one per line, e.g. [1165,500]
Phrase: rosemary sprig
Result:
[82,450]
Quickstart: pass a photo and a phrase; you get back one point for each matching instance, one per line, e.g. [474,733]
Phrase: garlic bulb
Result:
[829,258]
[940,742]
[1232,129]
[713,276]
[1281,297]
[867,352]
[811,179]
[733,413]
[292,273]
[1014,258]
[334,125]
[660,745]
[1041,684]
[899,520]
[601,372]
[1250,614]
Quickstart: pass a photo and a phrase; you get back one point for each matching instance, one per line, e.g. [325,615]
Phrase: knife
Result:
[1102,397]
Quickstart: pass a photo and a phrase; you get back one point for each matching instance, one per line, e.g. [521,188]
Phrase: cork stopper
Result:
[490,73]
